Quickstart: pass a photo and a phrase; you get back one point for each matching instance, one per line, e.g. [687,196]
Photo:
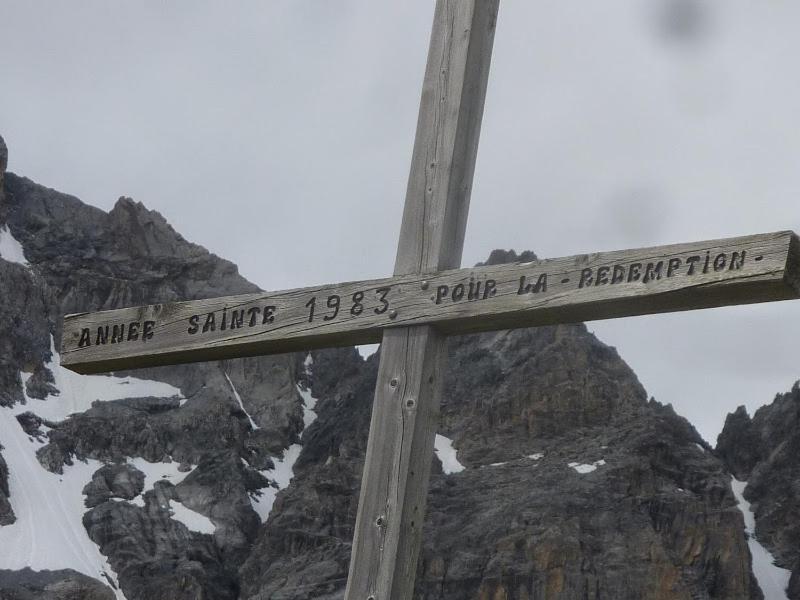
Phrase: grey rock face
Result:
[111,431]
[24,334]
[765,451]
[304,550]
[156,556]
[113,481]
[51,585]
[95,260]
[519,522]
[740,445]
[219,488]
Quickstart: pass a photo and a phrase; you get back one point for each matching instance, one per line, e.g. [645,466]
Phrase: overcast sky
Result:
[279,135]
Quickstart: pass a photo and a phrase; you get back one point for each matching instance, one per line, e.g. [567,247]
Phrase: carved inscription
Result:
[653,271]
[356,306]
[456,292]
[325,309]
[475,289]
[586,287]
[119,333]
[231,319]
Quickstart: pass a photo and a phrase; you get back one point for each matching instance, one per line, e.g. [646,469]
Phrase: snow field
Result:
[772,579]
[49,532]
[10,248]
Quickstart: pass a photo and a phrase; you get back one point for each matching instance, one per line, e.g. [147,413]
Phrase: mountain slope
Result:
[206,419]
[562,479]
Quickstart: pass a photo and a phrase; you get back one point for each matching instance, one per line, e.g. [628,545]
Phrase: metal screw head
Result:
[393,382]
[424,285]
[379,521]
[393,314]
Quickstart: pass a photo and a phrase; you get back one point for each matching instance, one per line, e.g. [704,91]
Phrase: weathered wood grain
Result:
[758,268]
[405,413]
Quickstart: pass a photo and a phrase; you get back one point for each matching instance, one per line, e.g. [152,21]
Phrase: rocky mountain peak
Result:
[155,237]
[3,167]
[499,257]
[3,158]
[739,444]
[764,451]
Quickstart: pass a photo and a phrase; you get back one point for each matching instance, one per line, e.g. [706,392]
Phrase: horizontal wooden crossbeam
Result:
[743,270]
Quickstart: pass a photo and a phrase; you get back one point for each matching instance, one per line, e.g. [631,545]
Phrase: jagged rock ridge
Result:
[765,452]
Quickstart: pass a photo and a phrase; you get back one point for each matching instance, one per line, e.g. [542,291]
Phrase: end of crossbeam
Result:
[792,274]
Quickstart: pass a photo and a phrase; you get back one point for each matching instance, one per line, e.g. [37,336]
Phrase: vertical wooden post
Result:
[405,413]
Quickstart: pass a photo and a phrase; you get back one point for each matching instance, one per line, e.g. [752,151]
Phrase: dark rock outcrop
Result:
[219,488]
[6,512]
[24,334]
[113,481]
[155,556]
[3,161]
[51,585]
[765,452]
[740,445]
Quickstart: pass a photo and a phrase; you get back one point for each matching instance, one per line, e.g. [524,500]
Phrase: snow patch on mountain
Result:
[367,350]
[194,521]
[772,579]
[281,475]
[48,533]
[78,392]
[10,249]
[153,472]
[49,507]
[283,472]
[309,404]
[241,404]
[583,469]
[443,447]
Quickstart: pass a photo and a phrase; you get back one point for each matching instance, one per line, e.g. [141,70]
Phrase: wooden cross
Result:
[428,298]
